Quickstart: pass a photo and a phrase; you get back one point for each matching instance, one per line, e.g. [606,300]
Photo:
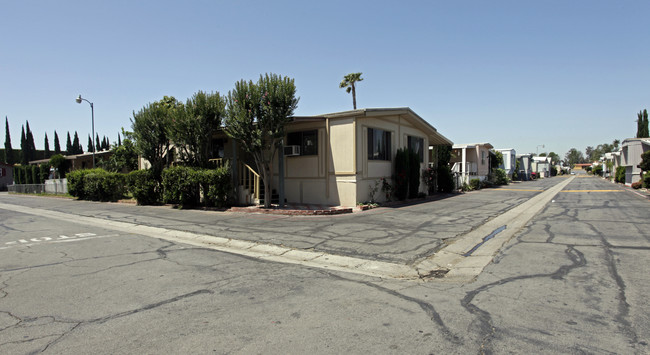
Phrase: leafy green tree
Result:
[642,125]
[124,158]
[349,82]
[9,152]
[193,127]
[57,145]
[256,116]
[554,158]
[573,157]
[150,134]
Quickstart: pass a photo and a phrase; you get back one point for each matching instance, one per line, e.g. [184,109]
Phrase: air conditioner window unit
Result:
[292,150]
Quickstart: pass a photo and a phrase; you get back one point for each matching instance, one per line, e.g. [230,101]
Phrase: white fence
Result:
[57,186]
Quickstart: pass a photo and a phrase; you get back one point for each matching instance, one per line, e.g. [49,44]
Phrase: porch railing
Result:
[471,168]
[250,180]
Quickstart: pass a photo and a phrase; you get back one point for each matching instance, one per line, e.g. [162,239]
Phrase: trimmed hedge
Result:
[144,187]
[96,185]
[180,186]
[183,186]
[646,180]
[217,185]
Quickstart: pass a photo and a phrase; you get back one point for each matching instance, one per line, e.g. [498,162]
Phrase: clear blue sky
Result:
[517,74]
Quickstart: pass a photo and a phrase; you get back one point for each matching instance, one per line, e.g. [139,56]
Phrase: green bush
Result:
[181,186]
[401,174]
[597,170]
[19,174]
[44,171]
[475,184]
[76,179]
[620,174]
[500,177]
[445,179]
[144,187]
[101,185]
[646,180]
[27,171]
[36,174]
[429,176]
[413,174]
[216,185]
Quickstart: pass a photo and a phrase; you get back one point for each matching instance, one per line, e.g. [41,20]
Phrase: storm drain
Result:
[485,239]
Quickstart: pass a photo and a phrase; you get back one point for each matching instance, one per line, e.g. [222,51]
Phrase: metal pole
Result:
[92,112]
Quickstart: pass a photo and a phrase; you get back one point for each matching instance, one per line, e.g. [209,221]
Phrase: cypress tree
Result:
[9,152]
[98,145]
[23,147]
[57,145]
[119,140]
[646,132]
[75,144]
[90,145]
[30,143]
[642,125]
[68,146]
[47,147]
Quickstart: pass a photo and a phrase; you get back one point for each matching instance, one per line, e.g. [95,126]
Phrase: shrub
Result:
[429,179]
[216,185]
[401,174]
[144,187]
[180,186]
[500,177]
[413,173]
[445,179]
[646,180]
[27,173]
[44,170]
[36,174]
[19,175]
[101,185]
[620,174]
[76,182]
[597,170]
[637,185]
[475,184]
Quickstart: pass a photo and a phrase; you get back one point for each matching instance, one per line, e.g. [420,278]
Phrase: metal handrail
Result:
[250,179]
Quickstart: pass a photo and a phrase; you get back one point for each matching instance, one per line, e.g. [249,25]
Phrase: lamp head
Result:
[78,99]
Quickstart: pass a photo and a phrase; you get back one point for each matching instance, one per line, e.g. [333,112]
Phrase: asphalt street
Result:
[573,280]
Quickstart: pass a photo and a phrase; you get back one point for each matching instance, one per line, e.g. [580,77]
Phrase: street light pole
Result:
[92,113]
[542,145]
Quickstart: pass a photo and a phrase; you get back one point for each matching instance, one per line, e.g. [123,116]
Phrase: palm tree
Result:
[348,82]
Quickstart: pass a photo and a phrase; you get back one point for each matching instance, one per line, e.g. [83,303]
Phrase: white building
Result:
[631,151]
[509,160]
